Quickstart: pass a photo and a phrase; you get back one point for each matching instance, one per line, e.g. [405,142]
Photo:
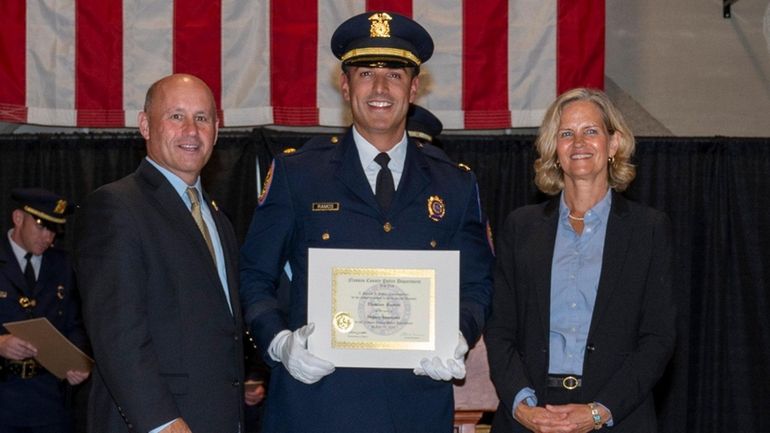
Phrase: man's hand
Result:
[541,420]
[454,367]
[579,415]
[75,377]
[290,348]
[178,426]
[253,395]
[15,348]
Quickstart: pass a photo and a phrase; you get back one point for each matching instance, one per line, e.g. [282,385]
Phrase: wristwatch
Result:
[595,415]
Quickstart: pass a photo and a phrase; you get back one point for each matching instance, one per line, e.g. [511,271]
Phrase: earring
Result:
[558,164]
[611,160]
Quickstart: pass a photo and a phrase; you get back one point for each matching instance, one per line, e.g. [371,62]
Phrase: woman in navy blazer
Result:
[582,322]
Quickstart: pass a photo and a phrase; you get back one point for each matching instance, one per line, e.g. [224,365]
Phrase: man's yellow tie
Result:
[195,208]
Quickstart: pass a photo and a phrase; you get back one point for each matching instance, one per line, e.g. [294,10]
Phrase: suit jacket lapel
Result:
[543,241]
[224,239]
[617,241]
[168,201]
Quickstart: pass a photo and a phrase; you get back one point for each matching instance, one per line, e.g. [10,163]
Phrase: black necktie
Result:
[29,272]
[384,188]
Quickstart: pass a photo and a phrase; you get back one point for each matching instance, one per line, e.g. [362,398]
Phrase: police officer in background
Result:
[422,125]
[374,188]
[36,280]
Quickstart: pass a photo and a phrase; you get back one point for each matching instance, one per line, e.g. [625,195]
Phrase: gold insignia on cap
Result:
[436,208]
[289,150]
[464,167]
[61,206]
[380,25]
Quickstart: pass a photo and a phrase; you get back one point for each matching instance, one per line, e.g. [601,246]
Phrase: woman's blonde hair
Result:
[549,177]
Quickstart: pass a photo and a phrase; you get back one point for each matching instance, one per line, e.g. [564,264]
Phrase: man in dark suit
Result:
[338,193]
[36,280]
[157,262]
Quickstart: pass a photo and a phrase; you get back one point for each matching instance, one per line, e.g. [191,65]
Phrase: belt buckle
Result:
[28,368]
[570,382]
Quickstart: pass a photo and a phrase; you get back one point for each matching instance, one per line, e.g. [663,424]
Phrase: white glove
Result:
[290,348]
[454,368]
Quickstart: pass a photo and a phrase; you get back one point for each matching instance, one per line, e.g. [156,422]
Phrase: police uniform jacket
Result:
[632,331]
[165,342]
[38,400]
[294,215]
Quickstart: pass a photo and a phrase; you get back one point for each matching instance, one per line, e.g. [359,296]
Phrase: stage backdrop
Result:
[88,63]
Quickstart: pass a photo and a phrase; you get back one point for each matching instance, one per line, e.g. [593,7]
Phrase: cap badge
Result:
[436,208]
[61,206]
[380,25]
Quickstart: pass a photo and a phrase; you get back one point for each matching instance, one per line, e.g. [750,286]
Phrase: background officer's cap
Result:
[48,208]
[422,124]
[381,39]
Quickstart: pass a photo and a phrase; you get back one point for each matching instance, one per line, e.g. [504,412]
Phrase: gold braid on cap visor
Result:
[381,51]
[45,216]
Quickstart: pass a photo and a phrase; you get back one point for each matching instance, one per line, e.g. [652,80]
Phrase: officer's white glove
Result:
[290,348]
[453,368]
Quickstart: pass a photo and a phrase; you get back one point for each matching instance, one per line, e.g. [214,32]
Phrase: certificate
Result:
[383,308]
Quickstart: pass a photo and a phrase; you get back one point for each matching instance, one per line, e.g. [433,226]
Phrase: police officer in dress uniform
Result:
[36,280]
[373,188]
[422,125]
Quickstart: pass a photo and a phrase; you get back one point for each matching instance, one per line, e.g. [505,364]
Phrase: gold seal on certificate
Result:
[382,308]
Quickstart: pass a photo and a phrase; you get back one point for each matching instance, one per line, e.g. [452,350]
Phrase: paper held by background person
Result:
[54,351]
[383,308]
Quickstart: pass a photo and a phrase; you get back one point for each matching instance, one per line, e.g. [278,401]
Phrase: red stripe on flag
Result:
[580,44]
[293,61]
[403,7]
[485,62]
[198,43]
[13,64]
[99,63]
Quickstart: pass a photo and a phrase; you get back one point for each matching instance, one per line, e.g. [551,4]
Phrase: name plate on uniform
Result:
[383,308]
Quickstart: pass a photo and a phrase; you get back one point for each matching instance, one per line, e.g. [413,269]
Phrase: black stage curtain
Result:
[715,190]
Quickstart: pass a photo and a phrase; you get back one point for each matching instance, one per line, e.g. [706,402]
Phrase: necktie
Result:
[195,208]
[29,273]
[384,188]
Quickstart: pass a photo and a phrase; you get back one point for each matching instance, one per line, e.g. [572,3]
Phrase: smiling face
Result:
[180,125]
[583,143]
[379,100]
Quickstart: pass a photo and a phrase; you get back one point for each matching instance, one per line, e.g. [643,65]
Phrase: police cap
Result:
[422,124]
[381,39]
[48,208]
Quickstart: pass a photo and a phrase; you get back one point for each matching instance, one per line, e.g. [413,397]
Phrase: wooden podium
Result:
[474,395]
